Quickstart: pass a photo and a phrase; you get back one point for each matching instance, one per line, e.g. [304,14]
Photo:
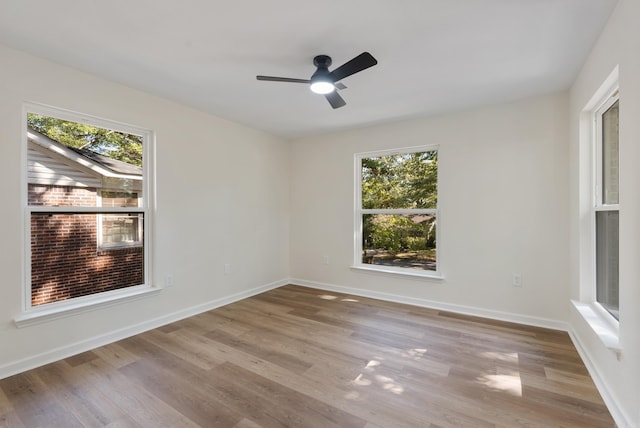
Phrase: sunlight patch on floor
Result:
[332,297]
[415,353]
[362,381]
[509,357]
[389,384]
[505,381]
[371,364]
[369,378]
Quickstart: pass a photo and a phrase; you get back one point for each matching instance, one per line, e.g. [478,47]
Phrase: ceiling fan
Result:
[326,82]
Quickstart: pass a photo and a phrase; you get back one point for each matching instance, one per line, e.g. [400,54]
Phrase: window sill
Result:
[46,313]
[398,272]
[605,329]
[120,247]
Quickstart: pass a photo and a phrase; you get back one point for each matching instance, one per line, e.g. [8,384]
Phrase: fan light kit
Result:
[325,82]
[322,87]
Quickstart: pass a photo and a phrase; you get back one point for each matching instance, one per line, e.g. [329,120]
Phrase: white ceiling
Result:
[434,56]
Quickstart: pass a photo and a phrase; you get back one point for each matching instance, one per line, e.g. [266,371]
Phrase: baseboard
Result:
[62,352]
[621,419]
[450,307]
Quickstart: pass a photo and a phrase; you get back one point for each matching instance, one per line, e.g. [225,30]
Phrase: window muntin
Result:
[606,207]
[396,211]
[84,241]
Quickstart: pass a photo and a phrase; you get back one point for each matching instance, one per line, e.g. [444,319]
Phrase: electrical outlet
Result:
[168,281]
[325,260]
[227,269]
[516,280]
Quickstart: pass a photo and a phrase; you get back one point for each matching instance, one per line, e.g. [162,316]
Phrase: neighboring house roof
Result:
[51,162]
[116,166]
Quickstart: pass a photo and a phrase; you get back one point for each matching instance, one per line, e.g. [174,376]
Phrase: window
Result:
[87,208]
[119,230]
[598,214]
[397,211]
[606,207]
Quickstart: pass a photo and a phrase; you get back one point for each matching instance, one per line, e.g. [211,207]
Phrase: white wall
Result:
[618,45]
[222,197]
[503,200]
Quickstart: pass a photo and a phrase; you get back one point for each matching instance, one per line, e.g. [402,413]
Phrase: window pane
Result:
[407,241]
[121,229]
[66,263]
[610,157]
[69,163]
[607,260]
[408,180]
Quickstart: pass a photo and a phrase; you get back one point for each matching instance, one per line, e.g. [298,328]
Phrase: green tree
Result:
[113,144]
[400,181]
[394,182]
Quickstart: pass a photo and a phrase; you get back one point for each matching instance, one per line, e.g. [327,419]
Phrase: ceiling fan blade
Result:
[357,64]
[340,86]
[282,79]
[335,99]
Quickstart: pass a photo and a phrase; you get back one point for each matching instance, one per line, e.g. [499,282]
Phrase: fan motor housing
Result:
[322,61]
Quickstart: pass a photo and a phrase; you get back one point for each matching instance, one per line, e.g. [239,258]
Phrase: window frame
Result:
[603,325]
[44,312]
[359,212]
[610,98]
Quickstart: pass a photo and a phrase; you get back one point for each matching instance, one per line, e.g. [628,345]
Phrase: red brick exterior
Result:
[62,196]
[65,259]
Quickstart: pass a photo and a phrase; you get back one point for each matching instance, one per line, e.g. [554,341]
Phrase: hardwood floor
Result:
[299,357]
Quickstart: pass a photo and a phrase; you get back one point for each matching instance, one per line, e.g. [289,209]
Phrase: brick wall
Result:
[65,260]
[62,196]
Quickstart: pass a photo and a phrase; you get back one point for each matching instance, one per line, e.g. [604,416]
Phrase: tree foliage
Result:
[396,233]
[113,144]
[400,181]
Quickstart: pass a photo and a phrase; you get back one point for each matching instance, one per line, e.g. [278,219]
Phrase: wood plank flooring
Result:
[299,357]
